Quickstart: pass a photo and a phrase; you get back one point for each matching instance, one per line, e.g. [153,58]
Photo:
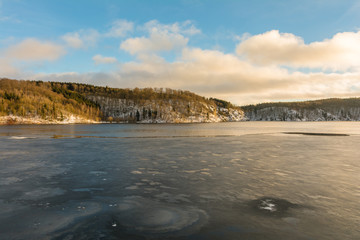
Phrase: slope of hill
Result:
[36,102]
[54,102]
[333,109]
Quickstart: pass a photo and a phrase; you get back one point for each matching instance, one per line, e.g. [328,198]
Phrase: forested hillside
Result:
[41,100]
[333,109]
[58,102]
[55,101]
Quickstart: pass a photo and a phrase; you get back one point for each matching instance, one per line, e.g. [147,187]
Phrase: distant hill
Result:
[57,102]
[333,109]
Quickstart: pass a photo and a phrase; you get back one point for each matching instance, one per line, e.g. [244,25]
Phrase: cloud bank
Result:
[35,50]
[341,52]
[270,66]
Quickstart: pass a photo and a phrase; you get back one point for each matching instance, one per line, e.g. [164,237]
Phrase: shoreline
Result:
[16,120]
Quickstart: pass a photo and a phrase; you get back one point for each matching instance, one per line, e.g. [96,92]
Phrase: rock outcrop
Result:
[164,111]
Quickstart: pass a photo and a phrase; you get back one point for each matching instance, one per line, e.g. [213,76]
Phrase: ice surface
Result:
[9,180]
[55,188]
[87,189]
[160,218]
[42,193]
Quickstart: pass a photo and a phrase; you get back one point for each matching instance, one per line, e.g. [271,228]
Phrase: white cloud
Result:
[158,41]
[73,40]
[186,27]
[214,74]
[99,59]
[15,59]
[338,53]
[82,38]
[120,28]
[34,50]
[162,37]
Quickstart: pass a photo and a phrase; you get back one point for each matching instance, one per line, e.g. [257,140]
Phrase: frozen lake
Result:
[247,180]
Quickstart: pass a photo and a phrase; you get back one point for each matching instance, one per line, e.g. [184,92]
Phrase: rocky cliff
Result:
[175,110]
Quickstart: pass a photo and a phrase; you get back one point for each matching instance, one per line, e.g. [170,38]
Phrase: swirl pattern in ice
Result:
[143,216]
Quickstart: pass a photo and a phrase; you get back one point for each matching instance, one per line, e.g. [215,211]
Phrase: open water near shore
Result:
[247,180]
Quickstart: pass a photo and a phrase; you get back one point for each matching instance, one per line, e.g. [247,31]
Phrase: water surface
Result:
[247,180]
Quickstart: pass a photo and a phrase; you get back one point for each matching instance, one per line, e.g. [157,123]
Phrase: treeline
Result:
[325,104]
[135,94]
[222,103]
[142,104]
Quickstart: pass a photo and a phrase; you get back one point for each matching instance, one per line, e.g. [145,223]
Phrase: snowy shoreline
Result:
[16,120]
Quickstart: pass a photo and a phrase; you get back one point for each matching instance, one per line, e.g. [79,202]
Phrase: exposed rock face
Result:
[317,114]
[164,111]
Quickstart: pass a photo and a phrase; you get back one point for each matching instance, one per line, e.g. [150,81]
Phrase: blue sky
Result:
[242,51]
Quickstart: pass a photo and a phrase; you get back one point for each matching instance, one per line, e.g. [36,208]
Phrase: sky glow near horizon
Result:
[241,51]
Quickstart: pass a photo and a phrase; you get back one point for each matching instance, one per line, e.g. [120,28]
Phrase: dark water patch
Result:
[269,206]
[87,189]
[319,134]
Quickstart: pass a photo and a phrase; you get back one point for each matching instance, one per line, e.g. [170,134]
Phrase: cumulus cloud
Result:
[34,50]
[99,59]
[204,71]
[158,41]
[120,28]
[162,37]
[215,74]
[82,39]
[16,58]
[338,53]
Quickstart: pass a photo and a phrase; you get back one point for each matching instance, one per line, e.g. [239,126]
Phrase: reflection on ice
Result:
[20,137]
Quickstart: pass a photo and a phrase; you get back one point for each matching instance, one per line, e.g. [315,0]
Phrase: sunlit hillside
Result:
[55,101]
